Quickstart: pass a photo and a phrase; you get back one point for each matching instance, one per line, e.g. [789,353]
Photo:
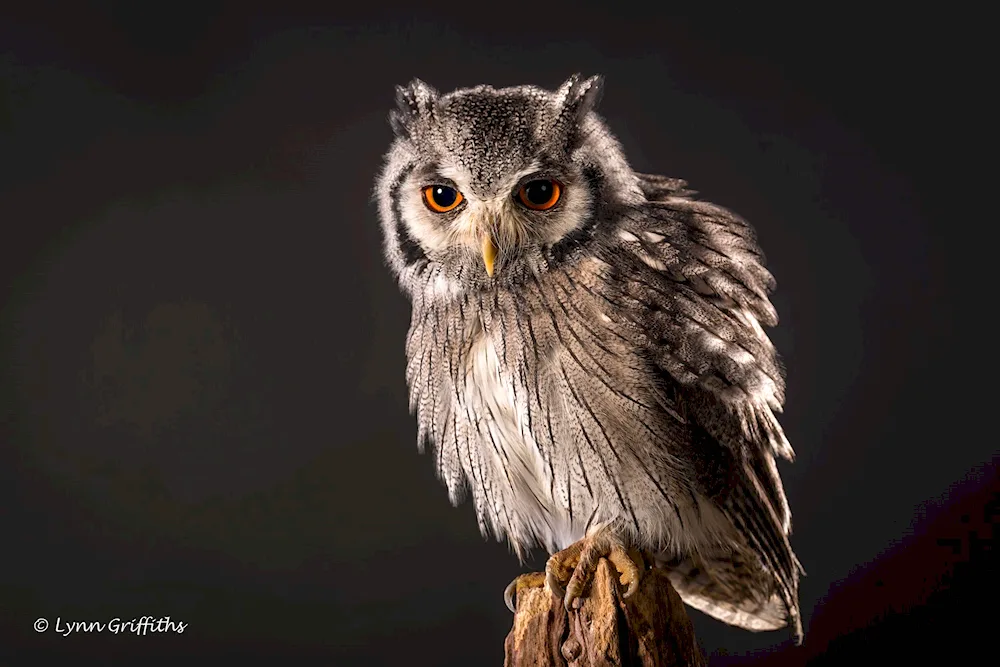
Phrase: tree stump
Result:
[651,629]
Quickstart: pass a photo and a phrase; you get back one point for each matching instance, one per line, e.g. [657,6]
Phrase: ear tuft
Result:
[413,100]
[577,97]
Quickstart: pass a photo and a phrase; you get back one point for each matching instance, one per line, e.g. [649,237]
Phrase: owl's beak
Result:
[489,253]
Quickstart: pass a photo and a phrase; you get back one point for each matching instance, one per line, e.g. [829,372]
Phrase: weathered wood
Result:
[651,629]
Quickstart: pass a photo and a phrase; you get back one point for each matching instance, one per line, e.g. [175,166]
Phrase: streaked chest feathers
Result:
[541,421]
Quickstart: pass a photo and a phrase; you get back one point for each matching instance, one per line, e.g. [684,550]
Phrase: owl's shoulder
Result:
[657,188]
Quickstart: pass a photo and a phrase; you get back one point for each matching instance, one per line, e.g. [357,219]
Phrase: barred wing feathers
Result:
[697,290]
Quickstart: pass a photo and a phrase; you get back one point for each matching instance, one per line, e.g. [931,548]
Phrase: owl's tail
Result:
[727,588]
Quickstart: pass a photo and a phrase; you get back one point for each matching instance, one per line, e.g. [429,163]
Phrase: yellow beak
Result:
[489,254]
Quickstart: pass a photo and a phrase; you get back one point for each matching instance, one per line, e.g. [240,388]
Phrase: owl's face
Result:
[485,186]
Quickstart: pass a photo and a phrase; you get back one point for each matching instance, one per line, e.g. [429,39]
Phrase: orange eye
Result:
[540,195]
[441,198]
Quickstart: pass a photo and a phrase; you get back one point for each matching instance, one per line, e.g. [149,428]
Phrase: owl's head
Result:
[485,187]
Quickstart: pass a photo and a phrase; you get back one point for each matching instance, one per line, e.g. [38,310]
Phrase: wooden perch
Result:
[651,629]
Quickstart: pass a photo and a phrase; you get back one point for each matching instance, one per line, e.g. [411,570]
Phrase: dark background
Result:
[202,403]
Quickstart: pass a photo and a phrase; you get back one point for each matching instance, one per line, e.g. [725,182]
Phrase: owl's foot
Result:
[529,580]
[576,565]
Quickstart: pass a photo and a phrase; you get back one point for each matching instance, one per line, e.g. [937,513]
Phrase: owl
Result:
[587,357]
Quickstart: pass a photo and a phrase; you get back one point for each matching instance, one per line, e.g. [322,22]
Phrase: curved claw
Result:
[633,586]
[552,581]
[508,596]
[630,565]
[568,600]
[530,580]
[579,582]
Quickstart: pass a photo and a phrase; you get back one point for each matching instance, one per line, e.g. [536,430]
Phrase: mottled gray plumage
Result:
[613,369]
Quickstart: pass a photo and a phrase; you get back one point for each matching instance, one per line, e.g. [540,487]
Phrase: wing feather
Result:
[696,288]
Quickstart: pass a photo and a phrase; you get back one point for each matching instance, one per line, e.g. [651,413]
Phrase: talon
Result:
[630,565]
[508,596]
[530,580]
[552,581]
[632,588]
[560,567]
